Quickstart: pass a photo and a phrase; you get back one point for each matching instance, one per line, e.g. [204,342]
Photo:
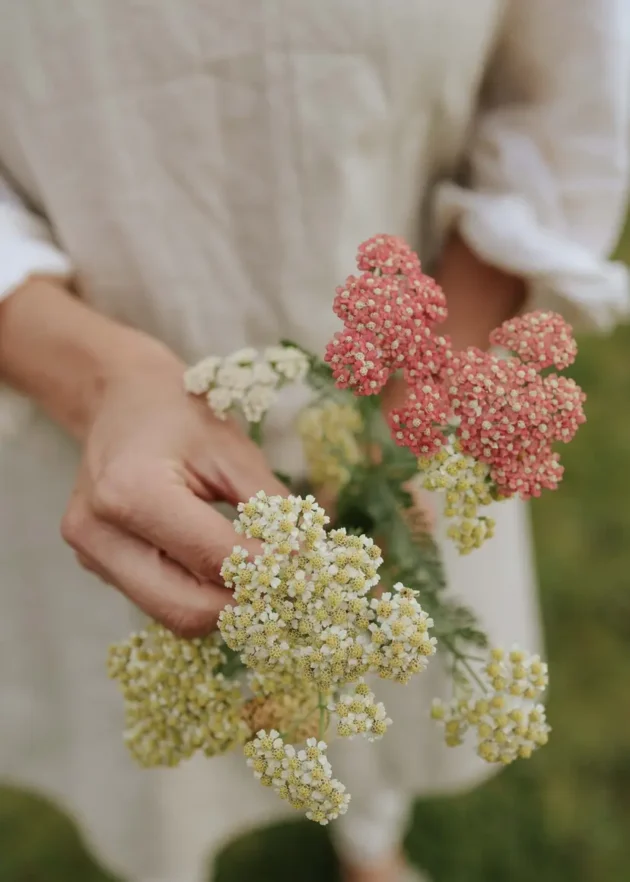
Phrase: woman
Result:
[200,175]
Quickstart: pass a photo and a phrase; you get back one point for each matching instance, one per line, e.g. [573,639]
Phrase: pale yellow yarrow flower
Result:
[503,709]
[466,486]
[330,432]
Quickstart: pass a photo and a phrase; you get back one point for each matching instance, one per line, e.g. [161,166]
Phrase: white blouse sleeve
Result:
[546,189]
[26,248]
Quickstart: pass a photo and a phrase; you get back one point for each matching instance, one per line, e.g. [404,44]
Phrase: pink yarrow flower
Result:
[419,423]
[504,412]
[510,416]
[389,313]
[538,338]
[387,255]
[357,362]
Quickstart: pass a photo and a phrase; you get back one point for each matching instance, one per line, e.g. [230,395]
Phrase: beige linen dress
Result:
[206,169]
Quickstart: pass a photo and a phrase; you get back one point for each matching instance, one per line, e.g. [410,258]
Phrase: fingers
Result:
[141,526]
[170,517]
[327,498]
[162,589]
[233,467]
[247,475]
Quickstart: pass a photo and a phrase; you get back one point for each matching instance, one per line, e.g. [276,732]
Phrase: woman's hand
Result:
[139,516]
[153,458]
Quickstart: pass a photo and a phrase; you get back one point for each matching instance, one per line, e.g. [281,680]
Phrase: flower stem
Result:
[465,663]
[322,716]
[255,432]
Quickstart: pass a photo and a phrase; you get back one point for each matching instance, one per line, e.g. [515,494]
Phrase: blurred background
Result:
[563,815]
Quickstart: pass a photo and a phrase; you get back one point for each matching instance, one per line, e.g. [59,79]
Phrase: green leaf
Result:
[233,664]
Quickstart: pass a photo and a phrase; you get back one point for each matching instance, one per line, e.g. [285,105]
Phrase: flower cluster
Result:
[539,338]
[302,777]
[389,312]
[419,423]
[467,489]
[505,714]
[401,645]
[510,414]
[176,699]
[329,431]
[245,380]
[504,412]
[305,601]
[303,608]
[307,629]
[358,713]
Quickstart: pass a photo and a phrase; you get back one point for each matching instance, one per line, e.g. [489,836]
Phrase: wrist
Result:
[65,356]
[111,361]
[479,297]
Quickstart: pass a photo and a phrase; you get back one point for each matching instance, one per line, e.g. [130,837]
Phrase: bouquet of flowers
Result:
[333,601]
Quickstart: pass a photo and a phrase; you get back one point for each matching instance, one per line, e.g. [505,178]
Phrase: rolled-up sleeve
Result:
[546,177]
[27,248]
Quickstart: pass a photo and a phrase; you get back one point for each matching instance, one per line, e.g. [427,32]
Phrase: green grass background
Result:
[565,815]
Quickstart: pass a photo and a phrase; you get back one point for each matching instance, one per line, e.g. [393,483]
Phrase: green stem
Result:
[322,716]
[255,432]
[464,661]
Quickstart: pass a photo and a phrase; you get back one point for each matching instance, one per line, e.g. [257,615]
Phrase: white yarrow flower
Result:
[199,378]
[304,778]
[288,361]
[256,402]
[220,401]
[244,380]
[246,356]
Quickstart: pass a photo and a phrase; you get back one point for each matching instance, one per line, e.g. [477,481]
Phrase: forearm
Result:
[479,297]
[61,353]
